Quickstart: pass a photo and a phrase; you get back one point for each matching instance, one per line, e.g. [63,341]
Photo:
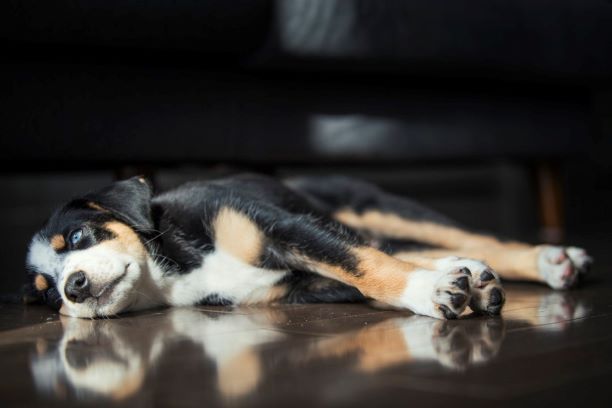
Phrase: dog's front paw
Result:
[442,294]
[487,292]
[561,267]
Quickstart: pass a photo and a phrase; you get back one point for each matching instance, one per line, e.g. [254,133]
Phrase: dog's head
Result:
[91,256]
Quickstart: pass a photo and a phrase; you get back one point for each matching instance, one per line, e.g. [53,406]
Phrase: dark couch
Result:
[111,83]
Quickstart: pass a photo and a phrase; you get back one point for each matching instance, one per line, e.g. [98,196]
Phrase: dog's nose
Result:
[77,287]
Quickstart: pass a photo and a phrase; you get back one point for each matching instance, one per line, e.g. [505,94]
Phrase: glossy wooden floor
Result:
[549,348]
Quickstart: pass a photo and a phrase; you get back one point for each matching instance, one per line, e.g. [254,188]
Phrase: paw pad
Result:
[465,271]
[448,314]
[458,300]
[487,276]
[462,283]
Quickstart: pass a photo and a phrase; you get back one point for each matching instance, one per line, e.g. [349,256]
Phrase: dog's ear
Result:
[127,200]
[29,294]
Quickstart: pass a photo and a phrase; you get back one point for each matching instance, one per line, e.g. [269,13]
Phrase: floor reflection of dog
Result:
[551,311]
[112,358]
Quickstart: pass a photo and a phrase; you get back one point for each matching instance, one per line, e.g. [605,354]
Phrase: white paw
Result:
[579,257]
[560,267]
[442,294]
[487,292]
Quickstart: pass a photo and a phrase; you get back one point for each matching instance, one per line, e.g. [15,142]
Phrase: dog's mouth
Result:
[106,292]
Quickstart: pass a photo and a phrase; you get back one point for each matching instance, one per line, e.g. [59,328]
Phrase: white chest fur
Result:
[223,275]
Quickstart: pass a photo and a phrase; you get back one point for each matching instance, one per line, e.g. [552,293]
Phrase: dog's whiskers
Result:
[157,236]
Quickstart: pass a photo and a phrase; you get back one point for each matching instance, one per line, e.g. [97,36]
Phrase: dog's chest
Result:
[222,276]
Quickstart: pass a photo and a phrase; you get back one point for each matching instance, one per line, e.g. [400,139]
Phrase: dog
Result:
[252,239]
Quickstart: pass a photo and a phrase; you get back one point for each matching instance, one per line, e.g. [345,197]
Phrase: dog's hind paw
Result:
[561,267]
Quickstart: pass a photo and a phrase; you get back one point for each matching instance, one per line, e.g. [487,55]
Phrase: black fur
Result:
[330,194]
[306,287]
[215,300]
[184,217]
[49,297]
[128,200]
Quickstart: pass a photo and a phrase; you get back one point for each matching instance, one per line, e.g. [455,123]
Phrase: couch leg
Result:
[550,202]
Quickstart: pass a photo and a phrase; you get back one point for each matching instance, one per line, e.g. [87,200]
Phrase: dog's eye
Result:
[75,236]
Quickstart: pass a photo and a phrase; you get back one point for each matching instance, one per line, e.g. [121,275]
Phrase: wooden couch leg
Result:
[550,202]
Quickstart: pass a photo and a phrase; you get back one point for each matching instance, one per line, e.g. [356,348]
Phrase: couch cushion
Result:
[475,37]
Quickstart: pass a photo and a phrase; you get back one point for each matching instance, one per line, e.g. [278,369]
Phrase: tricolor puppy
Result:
[254,240]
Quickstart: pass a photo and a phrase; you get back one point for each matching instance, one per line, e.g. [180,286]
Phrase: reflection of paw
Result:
[487,292]
[440,294]
[458,346]
[556,310]
[487,340]
[452,345]
[560,267]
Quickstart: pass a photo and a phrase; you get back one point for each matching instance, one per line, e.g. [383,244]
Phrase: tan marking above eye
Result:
[96,207]
[40,283]
[57,242]
[126,239]
[237,235]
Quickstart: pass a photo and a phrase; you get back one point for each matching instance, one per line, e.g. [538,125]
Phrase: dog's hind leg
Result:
[325,247]
[558,267]
[365,207]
